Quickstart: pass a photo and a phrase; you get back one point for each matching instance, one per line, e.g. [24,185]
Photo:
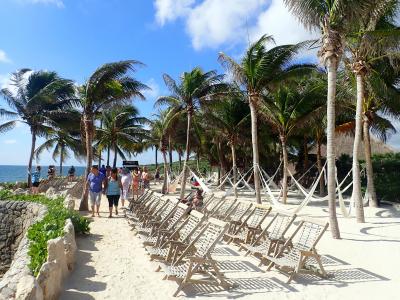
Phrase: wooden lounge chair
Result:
[149,213]
[250,228]
[292,259]
[271,239]
[134,205]
[158,219]
[196,259]
[210,205]
[223,209]
[169,246]
[237,215]
[168,226]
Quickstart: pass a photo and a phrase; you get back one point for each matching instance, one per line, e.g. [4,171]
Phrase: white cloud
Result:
[58,3]
[214,23]
[10,142]
[170,10]
[154,93]
[4,80]
[3,57]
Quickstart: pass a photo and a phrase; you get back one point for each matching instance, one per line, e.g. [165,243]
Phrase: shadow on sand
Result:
[79,282]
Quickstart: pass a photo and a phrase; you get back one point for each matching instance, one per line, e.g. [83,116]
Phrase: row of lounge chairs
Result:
[182,240]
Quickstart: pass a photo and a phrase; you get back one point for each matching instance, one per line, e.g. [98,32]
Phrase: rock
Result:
[70,244]
[19,191]
[69,202]
[28,289]
[50,193]
[49,279]
[55,253]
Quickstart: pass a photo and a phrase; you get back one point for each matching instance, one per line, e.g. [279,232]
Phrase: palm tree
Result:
[109,84]
[230,117]
[334,19]
[35,98]
[289,109]
[61,142]
[122,131]
[195,87]
[259,70]
[160,129]
[375,37]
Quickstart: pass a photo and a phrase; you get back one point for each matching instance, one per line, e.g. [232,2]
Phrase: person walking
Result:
[145,178]
[35,179]
[71,174]
[157,175]
[114,188]
[97,184]
[135,183]
[126,180]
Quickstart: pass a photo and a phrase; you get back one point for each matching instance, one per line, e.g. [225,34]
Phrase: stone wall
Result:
[16,217]
[18,282]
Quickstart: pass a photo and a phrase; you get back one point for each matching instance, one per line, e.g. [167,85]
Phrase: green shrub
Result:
[50,227]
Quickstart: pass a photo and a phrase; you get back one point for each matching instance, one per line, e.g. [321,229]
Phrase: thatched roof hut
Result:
[344,145]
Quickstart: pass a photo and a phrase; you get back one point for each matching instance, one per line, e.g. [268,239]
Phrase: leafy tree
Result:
[35,98]
[193,90]
[109,84]
[259,70]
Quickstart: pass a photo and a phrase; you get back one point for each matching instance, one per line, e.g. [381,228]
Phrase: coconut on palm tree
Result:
[193,90]
[258,71]
[109,84]
[35,98]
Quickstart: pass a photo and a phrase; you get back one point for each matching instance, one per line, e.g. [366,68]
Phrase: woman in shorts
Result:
[126,180]
[35,178]
[135,183]
[114,186]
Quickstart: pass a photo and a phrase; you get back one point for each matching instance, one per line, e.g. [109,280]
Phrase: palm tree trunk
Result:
[101,126]
[108,156]
[221,165]
[356,195]
[332,64]
[285,169]
[88,121]
[180,160]
[61,159]
[185,175]
[115,155]
[170,152]
[156,157]
[305,146]
[165,182]
[319,165]
[254,139]
[373,201]
[33,145]
[234,169]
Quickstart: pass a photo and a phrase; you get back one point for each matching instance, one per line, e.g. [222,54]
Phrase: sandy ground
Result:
[364,264]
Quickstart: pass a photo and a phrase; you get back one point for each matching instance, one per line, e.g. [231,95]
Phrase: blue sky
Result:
[74,37]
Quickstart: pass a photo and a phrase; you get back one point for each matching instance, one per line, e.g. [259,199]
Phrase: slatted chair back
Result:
[305,238]
[279,225]
[177,216]
[142,199]
[210,205]
[208,198]
[223,209]
[188,227]
[238,212]
[257,215]
[205,241]
[169,207]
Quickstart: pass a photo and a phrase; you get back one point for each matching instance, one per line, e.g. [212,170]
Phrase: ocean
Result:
[19,173]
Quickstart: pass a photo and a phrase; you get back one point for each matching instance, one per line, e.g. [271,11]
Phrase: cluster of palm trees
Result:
[289,106]
[86,120]
[267,108]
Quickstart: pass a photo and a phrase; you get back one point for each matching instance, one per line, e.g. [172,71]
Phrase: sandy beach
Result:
[364,264]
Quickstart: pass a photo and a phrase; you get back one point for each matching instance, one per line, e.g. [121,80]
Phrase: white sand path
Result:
[365,264]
